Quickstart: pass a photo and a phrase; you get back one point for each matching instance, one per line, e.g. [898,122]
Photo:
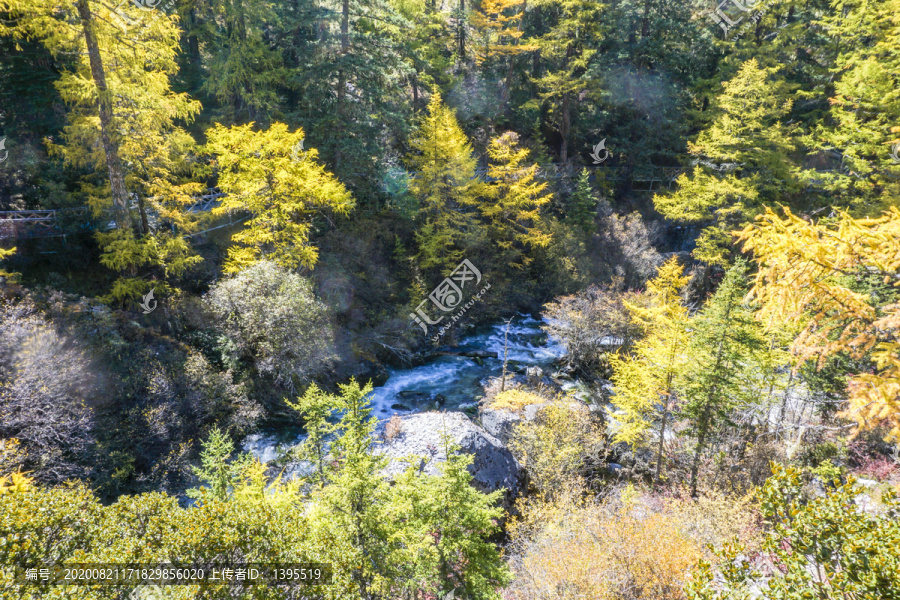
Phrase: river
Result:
[455,379]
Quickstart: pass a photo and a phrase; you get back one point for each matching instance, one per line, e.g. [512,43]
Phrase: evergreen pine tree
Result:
[356,501]
[582,209]
[724,344]
[743,162]
[446,526]
[315,406]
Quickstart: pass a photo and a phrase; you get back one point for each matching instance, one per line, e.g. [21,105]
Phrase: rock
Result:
[494,467]
[817,488]
[480,354]
[499,423]
[531,411]
[865,504]
[399,406]
[534,374]
[867,482]
[414,395]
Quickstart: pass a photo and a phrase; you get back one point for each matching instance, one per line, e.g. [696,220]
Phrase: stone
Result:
[499,423]
[494,467]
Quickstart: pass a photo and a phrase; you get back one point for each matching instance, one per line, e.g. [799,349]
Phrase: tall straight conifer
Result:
[647,381]
[725,340]
[444,182]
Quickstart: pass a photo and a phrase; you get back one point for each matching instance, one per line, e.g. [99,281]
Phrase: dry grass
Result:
[393,428]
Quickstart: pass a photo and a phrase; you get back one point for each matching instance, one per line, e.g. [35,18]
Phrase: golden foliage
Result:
[557,445]
[807,273]
[15,483]
[269,174]
[635,546]
[516,400]
[645,380]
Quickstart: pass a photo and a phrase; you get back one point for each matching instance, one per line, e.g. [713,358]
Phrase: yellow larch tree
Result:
[839,280]
[268,174]
[511,204]
[645,381]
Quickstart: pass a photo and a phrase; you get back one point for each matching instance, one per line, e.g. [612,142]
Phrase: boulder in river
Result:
[494,467]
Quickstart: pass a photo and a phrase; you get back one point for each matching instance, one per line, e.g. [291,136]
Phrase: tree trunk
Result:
[565,125]
[145,225]
[645,21]
[662,436]
[461,30]
[110,145]
[342,79]
[701,439]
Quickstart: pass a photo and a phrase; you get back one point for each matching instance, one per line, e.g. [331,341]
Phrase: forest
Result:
[449,300]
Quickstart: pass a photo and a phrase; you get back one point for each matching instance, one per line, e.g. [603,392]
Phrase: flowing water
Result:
[456,380]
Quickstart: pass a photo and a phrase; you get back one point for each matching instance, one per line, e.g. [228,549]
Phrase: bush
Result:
[828,548]
[626,547]
[269,317]
[557,446]
[515,400]
[48,382]
[593,322]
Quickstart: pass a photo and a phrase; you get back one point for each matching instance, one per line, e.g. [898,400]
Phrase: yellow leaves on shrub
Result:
[515,400]
[602,552]
[633,547]
[16,483]
[557,445]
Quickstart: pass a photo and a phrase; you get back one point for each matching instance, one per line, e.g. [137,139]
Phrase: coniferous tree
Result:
[358,497]
[647,382]
[315,406]
[582,209]
[743,162]
[447,523]
[725,339]
[444,183]
[281,184]
[511,204]
[567,47]
[127,122]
